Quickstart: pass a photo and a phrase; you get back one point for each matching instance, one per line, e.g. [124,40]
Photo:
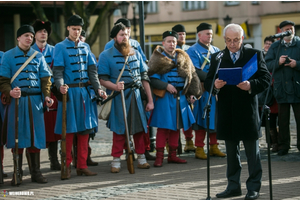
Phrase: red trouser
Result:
[200,136]
[82,149]
[119,143]
[188,133]
[30,150]
[163,134]
[147,139]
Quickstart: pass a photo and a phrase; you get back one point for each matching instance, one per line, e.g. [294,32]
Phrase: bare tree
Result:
[85,11]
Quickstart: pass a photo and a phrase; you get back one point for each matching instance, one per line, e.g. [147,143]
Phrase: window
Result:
[232,3]
[152,7]
[194,5]
[255,2]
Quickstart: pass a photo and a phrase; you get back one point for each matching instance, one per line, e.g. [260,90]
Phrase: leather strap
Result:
[23,66]
[120,74]
[205,59]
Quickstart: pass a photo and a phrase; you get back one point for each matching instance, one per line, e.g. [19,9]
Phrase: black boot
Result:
[149,156]
[152,139]
[20,161]
[36,174]
[52,152]
[28,160]
[89,161]
[274,139]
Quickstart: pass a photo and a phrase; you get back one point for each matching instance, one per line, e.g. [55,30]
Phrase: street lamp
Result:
[227,20]
[124,8]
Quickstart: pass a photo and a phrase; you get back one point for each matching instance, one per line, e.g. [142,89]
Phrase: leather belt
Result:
[24,94]
[80,85]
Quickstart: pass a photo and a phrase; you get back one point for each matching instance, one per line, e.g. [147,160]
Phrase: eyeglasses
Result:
[234,41]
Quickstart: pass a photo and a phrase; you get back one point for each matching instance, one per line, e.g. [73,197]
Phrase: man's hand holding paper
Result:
[245,85]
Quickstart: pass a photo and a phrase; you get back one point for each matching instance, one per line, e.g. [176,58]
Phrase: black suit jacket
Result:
[237,110]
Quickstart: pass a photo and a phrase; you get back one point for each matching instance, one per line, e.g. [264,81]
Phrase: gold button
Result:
[29,86]
[27,79]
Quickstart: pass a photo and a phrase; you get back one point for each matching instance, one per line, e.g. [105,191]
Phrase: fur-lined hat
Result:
[39,25]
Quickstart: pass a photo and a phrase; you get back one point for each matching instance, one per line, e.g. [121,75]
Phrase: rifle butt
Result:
[17,174]
[130,166]
[64,169]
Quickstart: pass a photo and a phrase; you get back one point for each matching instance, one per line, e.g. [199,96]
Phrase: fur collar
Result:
[160,64]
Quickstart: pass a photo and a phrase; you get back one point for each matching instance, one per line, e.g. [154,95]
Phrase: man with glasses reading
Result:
[237,112]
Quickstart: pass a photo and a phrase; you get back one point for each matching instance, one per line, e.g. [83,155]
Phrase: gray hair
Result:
[234,28]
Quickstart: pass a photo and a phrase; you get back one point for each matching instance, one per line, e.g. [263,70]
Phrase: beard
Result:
[180,43]
[289,38]
[123,48]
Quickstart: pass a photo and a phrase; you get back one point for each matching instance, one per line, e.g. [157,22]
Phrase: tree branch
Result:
[103,13]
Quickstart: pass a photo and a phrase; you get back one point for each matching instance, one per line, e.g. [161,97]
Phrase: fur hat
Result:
[204,26]
[115,30]
[75,20]
[124,21]
[83,34]
[39,25]
[25,29]
[178,28]
[170,33]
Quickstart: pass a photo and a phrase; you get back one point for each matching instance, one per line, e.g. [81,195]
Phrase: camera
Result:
[287,60]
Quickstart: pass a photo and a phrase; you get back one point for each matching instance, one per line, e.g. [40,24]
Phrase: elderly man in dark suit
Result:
[238,118]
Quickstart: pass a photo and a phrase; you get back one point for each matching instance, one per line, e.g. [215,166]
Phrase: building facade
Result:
[263,18]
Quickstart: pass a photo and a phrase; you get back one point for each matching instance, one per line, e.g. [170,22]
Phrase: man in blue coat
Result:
[135,44]
[110,63]
[28,87]
[73,67]
[200,55]
[42,32]
[286,83]
[172,70]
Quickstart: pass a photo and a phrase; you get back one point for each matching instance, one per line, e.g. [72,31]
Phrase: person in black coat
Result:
[237,112]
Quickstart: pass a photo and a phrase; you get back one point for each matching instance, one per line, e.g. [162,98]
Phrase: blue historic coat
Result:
[75,61]
[93,95]
[164,114]
[47,53]
[29,81]
[135,44]
[110,63]
[198,54]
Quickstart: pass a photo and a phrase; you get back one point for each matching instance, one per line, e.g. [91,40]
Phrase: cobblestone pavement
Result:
[172,181]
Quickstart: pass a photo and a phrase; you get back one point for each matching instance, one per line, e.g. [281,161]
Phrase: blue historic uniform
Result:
[183,47]
[135,44]
[164,114]
[29,81]
[110,63]
[198,54]
[47,52]
[75,61]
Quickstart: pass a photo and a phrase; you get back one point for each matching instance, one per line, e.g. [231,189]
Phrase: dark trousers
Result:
[284,138]
[234,166]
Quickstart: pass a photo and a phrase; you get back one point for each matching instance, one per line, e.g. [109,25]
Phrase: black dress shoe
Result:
[229,193]
[251,195]
[282,152]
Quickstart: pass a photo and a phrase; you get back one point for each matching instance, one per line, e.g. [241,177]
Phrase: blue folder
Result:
[233,76]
